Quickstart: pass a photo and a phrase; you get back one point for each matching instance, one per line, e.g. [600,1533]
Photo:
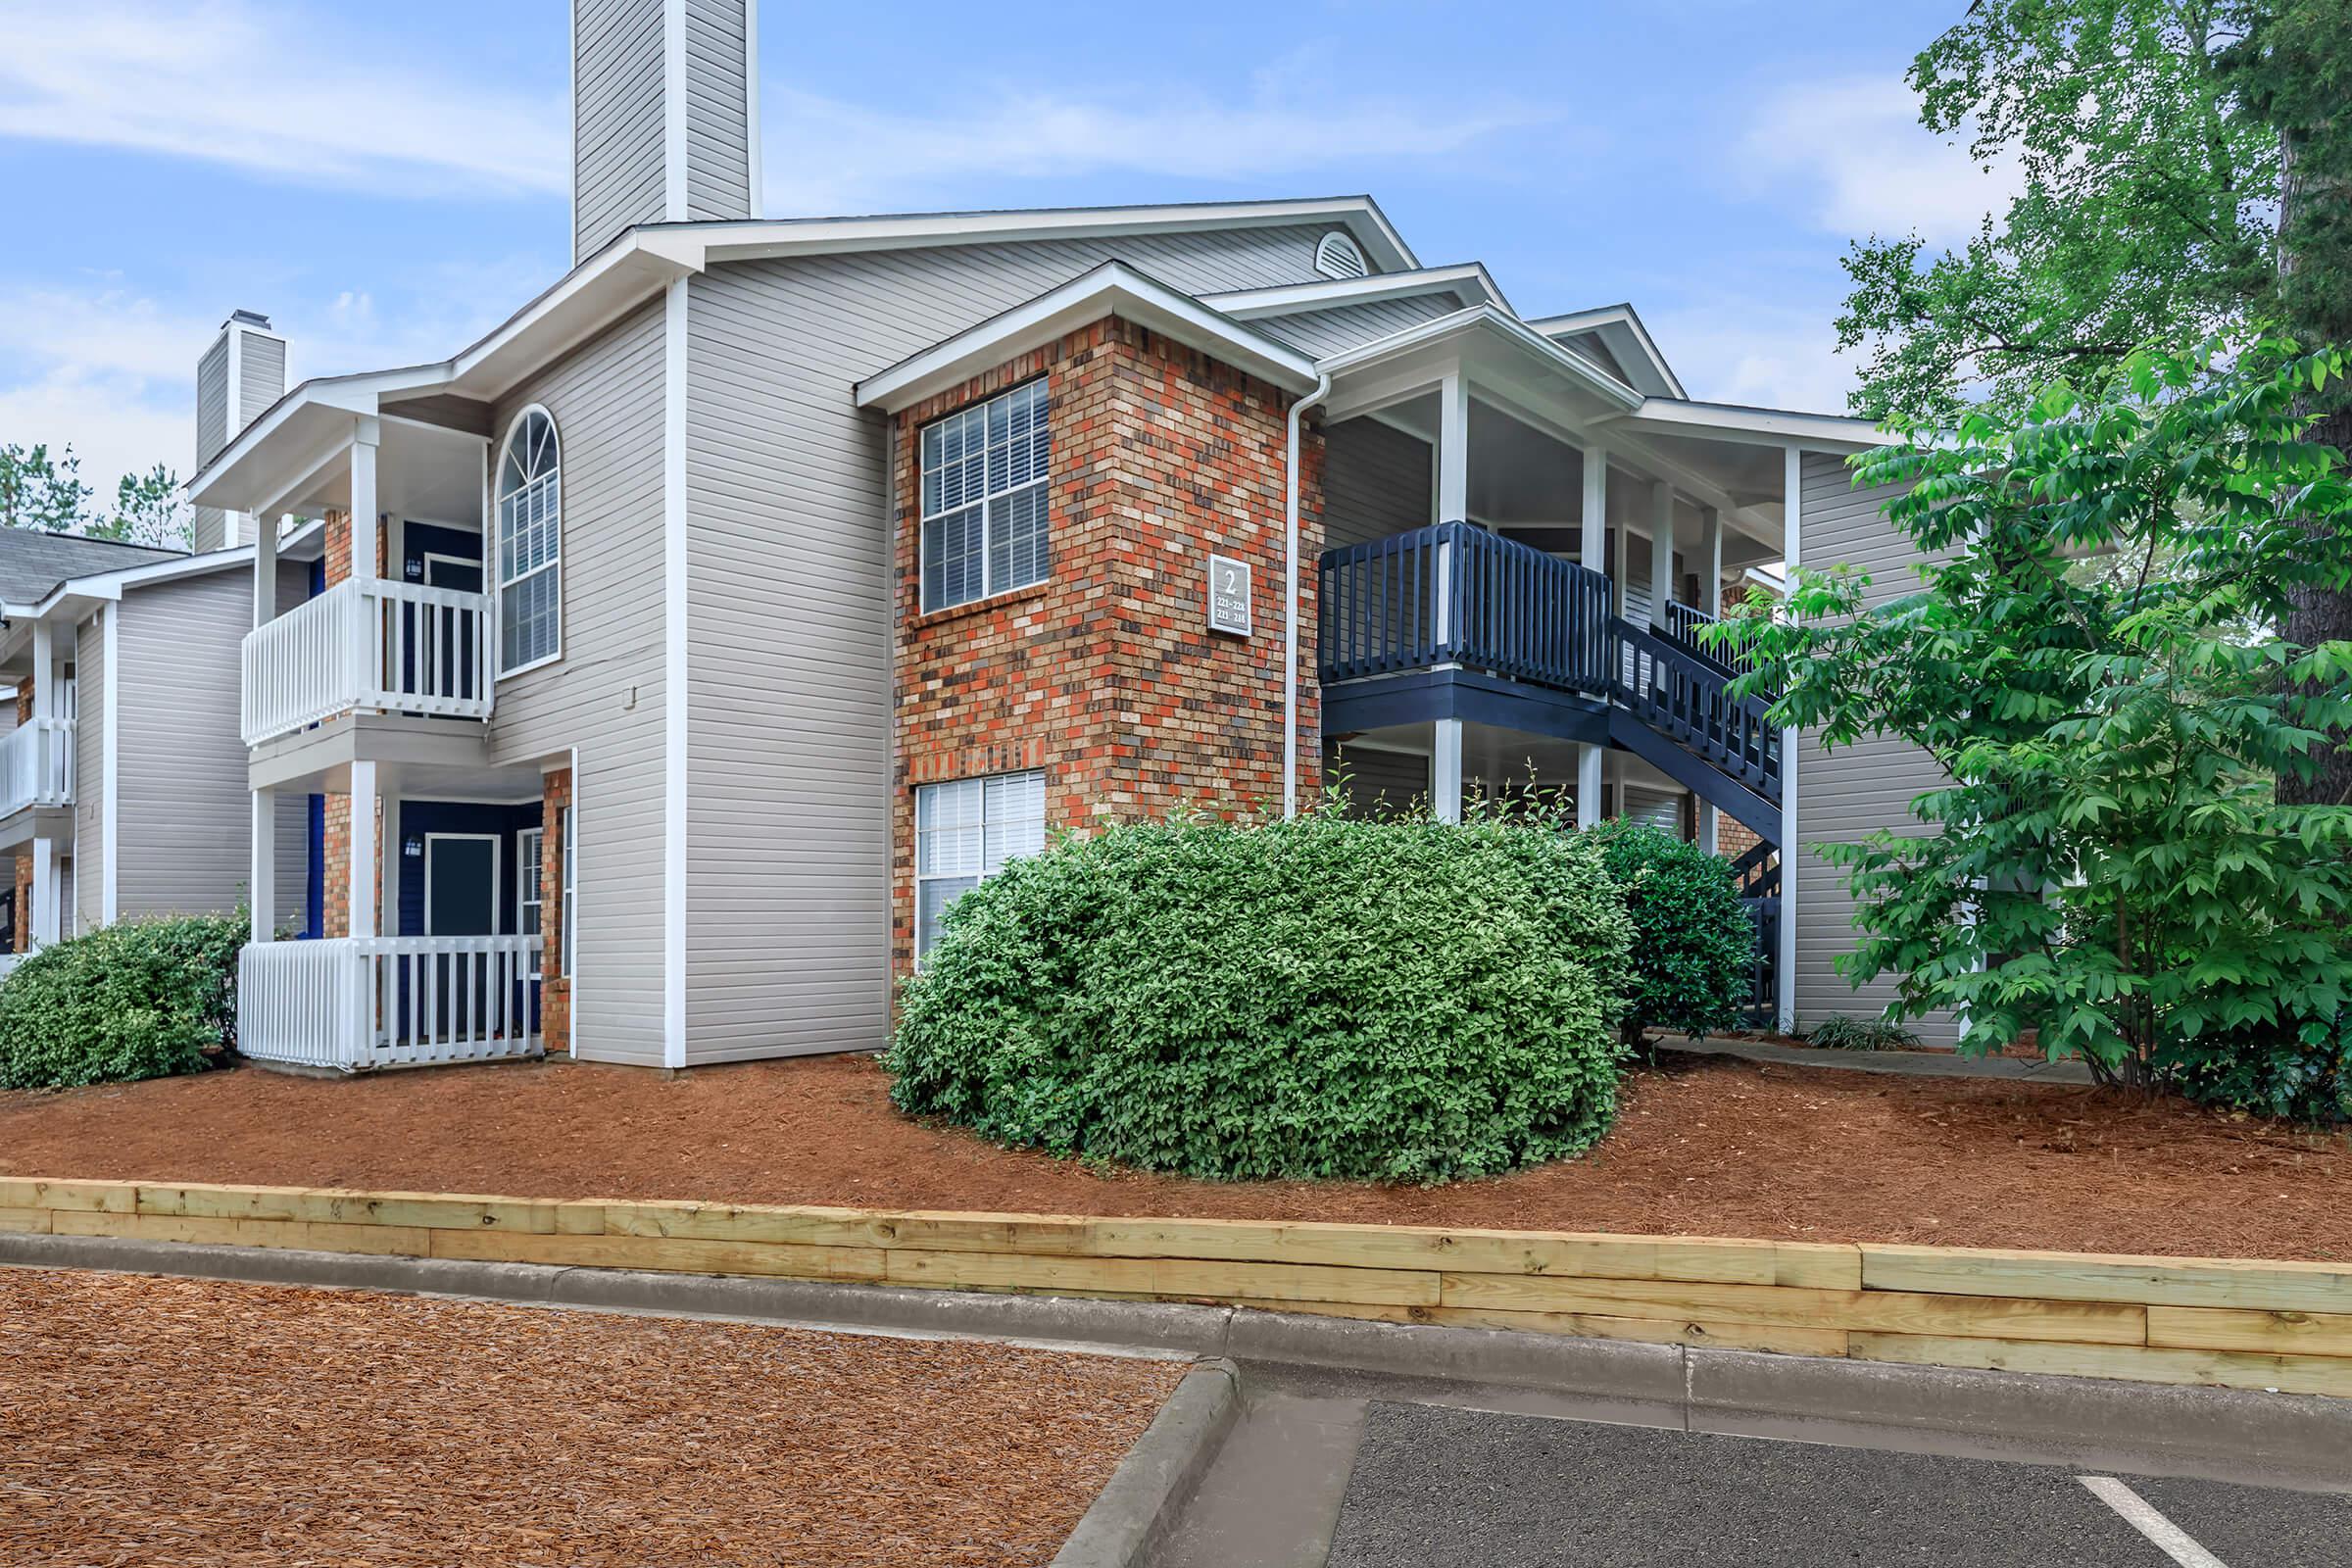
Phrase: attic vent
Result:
[1338,256]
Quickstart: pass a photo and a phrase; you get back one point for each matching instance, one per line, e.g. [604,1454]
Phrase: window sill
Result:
[973,606]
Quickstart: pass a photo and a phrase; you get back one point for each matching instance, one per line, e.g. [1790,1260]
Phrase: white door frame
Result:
[432,556]
[497,875]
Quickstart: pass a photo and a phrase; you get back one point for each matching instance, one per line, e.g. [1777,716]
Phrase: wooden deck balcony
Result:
[359,1003]
[36,765]
[368,646]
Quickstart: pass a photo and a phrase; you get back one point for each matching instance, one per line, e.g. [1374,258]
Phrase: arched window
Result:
[530,544]
[1338,256]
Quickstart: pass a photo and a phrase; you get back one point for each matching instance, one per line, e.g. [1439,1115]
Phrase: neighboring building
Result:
[677,652]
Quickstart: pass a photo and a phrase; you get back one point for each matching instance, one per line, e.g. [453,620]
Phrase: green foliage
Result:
[2302,1075]
[2143,218]
[149,510]
[2292,75]
[140,999]
[1694,946]
[1397,1000]
[2112,866]
[39,491]
[1840,1031]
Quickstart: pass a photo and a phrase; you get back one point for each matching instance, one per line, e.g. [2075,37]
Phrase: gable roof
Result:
[33,563]
[1619,329]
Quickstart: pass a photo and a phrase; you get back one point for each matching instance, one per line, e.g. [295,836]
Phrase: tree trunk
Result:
[2320,614]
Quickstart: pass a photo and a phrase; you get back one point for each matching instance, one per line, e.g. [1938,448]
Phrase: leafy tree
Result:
[149,510]
[2110,864]
[2143,219]
[37,491]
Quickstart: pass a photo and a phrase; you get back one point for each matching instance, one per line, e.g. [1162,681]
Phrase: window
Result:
[1340,257]
[530,545]
[984,499]
[526,885]
[566,911]
[967,830]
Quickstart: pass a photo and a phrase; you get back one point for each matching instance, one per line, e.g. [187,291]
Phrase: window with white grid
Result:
[965,831]
[530,544]
[527,902]
[984,499]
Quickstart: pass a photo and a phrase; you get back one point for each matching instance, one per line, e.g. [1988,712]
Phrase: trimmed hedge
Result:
[140,999]
[1694,946]
[1395,1001]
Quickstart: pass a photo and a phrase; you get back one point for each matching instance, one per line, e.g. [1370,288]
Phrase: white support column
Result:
[1661,553]
[362,897]
[44,670]
[1593,533]
[48,892]
[1453,448]
[262,893]
[1792,476]
[1710,600]
[265,571]
[364,442]
[1445,771]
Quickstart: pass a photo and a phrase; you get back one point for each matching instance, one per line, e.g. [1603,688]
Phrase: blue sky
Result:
[386,181]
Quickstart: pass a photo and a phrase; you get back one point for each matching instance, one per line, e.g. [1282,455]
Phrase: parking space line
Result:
[2142,1515]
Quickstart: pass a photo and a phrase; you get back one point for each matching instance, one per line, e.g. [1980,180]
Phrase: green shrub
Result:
[2302,1075]
[1694,946]
[1395,1000]
[140,999]
[1842,1033]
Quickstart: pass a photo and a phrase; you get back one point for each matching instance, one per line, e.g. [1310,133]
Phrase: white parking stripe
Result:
[2142,1516]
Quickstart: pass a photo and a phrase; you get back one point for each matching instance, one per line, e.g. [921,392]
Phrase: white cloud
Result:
[1763,352]
[271,92]
[1864,163]
[825,155]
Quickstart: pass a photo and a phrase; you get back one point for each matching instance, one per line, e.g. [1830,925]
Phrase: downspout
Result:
[1290,606]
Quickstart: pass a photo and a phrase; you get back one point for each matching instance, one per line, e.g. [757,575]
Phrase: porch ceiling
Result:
[426,471]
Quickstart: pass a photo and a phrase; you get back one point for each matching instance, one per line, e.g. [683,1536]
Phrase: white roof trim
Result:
[1110,289]
[1734,422]
[1469,282]
[1622,330]
[741,239]
[1489,318]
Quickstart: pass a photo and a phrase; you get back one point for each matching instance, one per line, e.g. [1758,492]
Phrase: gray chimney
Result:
[240,375]
[664,115]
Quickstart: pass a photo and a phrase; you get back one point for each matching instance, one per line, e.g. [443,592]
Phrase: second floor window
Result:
[530,545]
[984,499]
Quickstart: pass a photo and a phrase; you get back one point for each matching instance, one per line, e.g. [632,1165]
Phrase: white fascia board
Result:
[1111,289]
[1487,319]
[78,596]
[1469,282]
[751,240]
[1731,422]
[1620,327]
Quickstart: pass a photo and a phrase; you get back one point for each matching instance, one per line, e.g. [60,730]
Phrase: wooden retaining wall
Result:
[2236,1323]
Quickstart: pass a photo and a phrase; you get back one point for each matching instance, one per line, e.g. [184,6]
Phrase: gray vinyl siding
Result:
[212,401]
[1375,781]
[718,179]
[182,809]
[790,602]
[446,410]
[1376,482]
[605,694]
[261,376]
[1326,332]
[1846,795]
[616,173]
[90,676]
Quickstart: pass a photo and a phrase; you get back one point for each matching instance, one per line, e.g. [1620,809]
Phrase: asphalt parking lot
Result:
[1443,1486]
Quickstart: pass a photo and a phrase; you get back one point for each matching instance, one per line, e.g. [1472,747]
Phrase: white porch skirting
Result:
[355,1003]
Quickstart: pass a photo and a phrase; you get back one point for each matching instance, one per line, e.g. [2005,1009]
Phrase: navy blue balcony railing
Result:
[1456,594]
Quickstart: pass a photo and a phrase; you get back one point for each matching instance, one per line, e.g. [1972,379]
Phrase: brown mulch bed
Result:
[198,1423]
[1718,1147]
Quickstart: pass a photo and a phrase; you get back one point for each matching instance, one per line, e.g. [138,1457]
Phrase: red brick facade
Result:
[335,849]
[1105,675]
[554,986]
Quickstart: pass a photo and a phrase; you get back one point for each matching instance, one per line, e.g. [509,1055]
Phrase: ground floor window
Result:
[528,864]
[967,830]
[565,910]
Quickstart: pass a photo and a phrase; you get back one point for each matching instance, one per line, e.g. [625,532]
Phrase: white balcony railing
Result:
[37,764]
[369,644]
[385,1002]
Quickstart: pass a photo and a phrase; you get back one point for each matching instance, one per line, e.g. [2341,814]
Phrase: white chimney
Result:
[240,375]
[664,115]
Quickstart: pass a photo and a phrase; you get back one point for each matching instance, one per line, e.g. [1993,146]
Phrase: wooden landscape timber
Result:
[2237,1323]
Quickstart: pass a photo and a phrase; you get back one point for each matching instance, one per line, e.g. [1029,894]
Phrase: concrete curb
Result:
[1139,1507]
[2227,1433]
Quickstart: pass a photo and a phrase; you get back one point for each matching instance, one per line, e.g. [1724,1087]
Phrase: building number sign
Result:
[1229,596]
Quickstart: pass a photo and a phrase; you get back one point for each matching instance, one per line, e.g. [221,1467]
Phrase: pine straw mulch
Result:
[196,1423]
[1706,1147]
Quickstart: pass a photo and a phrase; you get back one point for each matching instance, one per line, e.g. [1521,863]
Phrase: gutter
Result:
[1290,605]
